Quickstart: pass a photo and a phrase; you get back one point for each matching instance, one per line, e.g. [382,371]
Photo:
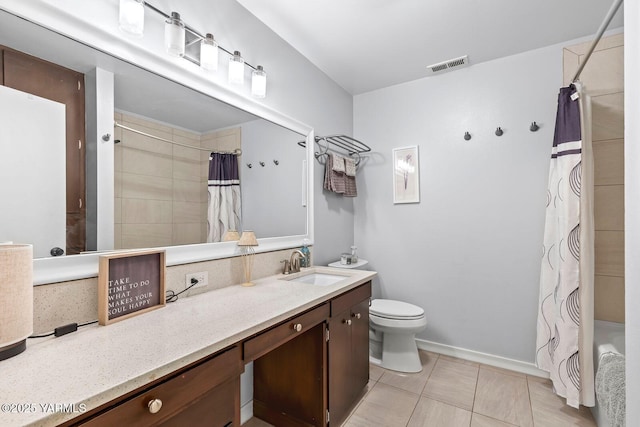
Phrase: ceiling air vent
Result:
[441,67]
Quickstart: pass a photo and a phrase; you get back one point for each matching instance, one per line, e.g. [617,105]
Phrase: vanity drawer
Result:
[277,335]
[185,391]
[348,299]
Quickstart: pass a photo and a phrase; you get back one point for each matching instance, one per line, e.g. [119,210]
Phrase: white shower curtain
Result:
[565,312]
[224,211]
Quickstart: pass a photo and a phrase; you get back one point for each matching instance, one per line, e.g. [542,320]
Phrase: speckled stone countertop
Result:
[56,379]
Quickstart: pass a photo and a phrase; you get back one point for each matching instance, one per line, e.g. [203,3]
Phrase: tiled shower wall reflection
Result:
[161,188]
[603,79]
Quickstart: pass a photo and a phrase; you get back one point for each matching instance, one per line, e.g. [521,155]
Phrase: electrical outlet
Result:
[202,277]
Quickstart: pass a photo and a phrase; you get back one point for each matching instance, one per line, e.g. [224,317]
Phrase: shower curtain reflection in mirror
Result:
[224,209]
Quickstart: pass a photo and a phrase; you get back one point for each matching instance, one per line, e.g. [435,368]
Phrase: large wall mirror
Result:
[159,193]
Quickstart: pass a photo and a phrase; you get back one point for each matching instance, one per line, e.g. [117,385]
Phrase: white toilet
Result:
[393,326]
[392,329]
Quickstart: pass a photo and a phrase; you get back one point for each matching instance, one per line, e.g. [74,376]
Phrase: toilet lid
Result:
[392,309]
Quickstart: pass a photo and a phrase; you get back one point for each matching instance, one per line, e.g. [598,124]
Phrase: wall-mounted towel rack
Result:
[351,145]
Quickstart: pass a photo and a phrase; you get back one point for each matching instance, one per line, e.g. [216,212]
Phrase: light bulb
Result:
[259,82]
[131,18]
[209,53]
[236,69]
[174,35]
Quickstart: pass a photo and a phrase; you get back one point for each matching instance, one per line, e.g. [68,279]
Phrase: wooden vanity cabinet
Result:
[207,394]
[316,377]
[289,381]
[309,370]
[348,352]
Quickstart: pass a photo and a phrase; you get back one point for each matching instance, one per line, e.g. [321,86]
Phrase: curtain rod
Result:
[237,151]
[607,20]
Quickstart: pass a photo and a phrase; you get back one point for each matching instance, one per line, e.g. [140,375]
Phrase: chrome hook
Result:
[534,127]
[467,136]
[499,131]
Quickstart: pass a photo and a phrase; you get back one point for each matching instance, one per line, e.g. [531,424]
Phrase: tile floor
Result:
[453,392]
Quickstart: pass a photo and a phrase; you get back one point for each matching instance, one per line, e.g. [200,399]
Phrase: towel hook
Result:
[261,164]
[249,165]
[467,136]
[276,162]
[534,127]
[499,131]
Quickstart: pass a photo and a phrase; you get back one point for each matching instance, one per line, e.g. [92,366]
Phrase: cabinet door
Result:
[348,352]
[340,361]
[206,395]
[359,347]
[214,409]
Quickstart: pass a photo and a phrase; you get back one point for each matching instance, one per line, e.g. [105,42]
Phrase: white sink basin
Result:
[319,279]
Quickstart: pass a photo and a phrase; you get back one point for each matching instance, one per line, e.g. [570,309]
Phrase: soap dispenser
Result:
[306,260]
[354,254]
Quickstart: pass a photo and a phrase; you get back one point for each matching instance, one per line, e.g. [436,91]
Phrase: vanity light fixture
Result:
[209,53]
[246,243]
[259,82]
[174,35]
[236,69]
[131,17]
[181,40]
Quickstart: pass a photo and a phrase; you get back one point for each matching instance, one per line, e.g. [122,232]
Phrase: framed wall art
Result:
[406,175]
[130,283]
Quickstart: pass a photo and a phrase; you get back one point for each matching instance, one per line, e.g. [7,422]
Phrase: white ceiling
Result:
[365,45]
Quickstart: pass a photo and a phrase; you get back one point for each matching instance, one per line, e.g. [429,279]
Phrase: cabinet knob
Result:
[155,405]
[297,327]
[357,315]
[348,322]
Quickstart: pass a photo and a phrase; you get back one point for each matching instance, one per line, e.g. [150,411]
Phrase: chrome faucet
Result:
[292,265]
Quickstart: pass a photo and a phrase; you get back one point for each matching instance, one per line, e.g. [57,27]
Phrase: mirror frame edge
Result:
[76,267]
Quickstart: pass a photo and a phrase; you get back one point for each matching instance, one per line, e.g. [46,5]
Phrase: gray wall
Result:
[272,194]
[469,252]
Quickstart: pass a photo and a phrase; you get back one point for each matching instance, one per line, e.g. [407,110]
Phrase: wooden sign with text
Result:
[130,283]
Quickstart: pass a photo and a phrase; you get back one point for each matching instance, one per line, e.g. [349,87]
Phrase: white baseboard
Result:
[487,359]
[246,412]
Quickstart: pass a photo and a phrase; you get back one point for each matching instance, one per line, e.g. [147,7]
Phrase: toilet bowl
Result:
[392,329]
